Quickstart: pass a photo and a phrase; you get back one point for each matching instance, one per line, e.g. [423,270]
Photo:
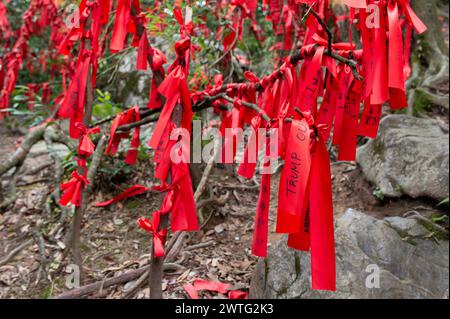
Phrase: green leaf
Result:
[444,202]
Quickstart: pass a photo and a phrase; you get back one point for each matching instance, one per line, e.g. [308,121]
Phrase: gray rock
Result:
[40,148]
[130,87]
[410,156]
[409,265]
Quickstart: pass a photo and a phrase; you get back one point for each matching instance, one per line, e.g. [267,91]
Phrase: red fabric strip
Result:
[261,229]
[323,267]
[349,128]
[370,120]
[159,236]
[294,179]
[72,190]
[120,25]
[133,191]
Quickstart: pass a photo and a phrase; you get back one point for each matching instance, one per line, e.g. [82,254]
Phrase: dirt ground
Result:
[113,244]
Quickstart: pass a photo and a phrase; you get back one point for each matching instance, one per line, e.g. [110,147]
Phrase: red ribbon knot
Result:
[72,190]
[86,146]
[159,236]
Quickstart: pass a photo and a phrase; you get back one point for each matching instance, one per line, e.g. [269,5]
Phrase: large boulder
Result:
[409,265]
[410,156]
[130,87]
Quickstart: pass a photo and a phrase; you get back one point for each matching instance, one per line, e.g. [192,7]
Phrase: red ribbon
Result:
[86,147]
[311,80]
[158,60]
[292,197]
[4,24]
[370,120]
[179,199]
[159,236]
[317,233]
[349,128]
[185,29]
[74,99]
[121,22]
[133,191]
[174,88]
[261,229]
[184,211]
[323,265]
[133,150]
[214,286]
[72,190]
[397,94]
[327,110]
[127,117]
[142,55]
[346,78]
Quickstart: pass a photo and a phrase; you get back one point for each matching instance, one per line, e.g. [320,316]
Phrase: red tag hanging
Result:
[370,120]
[74,100]
[397,91]
[349,128]
[294,179]
[323,265]
[120,25]
[133,151]
[142,55]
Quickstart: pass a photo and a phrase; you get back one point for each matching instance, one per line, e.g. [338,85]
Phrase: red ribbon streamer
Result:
[122,20]
[294,179]
[133,191]
[323,265]
[174,87]
[74,100]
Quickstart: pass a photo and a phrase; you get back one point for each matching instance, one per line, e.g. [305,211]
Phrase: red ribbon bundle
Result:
[305,209]
[86,146]
[39,15]
[72,190]
[386,72]
[127,117]
[179,199]
[174,88]
[179,202]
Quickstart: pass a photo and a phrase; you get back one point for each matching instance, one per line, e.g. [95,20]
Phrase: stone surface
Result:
[410,156]
[409,265]
[130,87]
[40,148]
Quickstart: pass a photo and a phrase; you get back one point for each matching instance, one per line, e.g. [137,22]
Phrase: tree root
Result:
[12,188]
